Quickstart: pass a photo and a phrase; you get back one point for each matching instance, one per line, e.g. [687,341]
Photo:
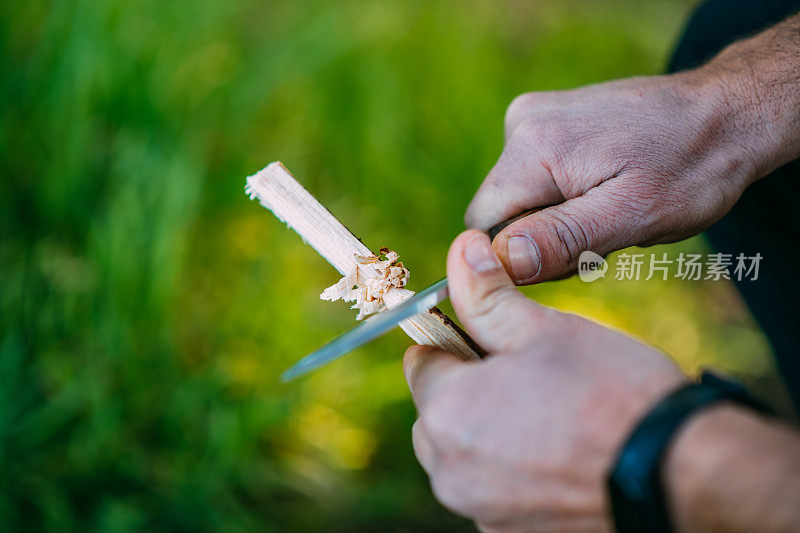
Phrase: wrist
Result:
[754,94]
[637,484]
[694,460]
[728,150]
[729,469]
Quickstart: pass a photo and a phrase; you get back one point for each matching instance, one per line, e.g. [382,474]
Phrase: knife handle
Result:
[497,228]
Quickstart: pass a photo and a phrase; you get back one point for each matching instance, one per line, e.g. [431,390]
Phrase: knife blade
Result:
[373,327]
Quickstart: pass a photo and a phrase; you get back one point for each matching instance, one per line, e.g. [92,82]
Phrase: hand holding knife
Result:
[385,321]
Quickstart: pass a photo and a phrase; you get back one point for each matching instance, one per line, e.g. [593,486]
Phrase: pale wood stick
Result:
[279,192]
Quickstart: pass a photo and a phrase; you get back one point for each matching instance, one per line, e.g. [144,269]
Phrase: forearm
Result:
[732,470]
[729,469]
[757,85]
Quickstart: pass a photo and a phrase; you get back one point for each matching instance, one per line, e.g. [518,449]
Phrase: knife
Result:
[373,327]
[377,325]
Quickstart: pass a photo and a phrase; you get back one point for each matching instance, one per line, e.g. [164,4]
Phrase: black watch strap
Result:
[635,488]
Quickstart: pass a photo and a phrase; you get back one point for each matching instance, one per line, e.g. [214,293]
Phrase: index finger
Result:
[425,367]
[518,182]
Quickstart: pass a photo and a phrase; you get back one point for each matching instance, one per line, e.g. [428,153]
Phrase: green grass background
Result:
[147,307]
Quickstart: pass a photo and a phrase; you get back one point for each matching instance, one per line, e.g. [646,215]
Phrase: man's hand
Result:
[525,438]
[639,161]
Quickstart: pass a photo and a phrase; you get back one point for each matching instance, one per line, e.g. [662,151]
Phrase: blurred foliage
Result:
[147,307]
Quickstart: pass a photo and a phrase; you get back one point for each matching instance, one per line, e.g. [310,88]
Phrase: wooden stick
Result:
[279,192]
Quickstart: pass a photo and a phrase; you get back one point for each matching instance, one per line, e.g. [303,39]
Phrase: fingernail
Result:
[523,256]
[479,254]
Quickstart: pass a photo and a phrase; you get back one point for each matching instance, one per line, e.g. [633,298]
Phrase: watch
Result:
[635,488]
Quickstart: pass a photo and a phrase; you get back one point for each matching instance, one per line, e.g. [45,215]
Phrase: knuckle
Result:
[461,491]
[519,108]
[440,422]
[487,527]
[489,300]
[522,106]
[449,428]
[569,237]
[530,127]
[546,133]
[447,492]
[417,436]
[423,450]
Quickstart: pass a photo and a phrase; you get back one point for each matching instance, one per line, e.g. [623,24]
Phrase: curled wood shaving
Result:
[385,274]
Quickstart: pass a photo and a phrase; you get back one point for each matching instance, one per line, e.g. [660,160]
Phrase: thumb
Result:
[493,311]
[547,244]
